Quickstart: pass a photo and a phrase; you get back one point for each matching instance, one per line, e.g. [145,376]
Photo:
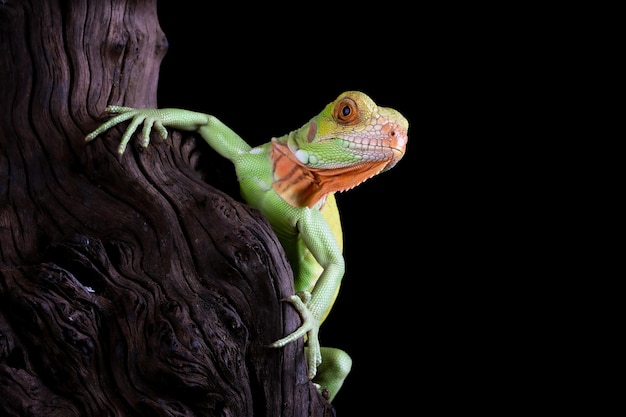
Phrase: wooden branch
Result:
[128,286]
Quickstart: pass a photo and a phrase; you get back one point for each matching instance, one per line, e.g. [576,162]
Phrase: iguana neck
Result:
[301,185]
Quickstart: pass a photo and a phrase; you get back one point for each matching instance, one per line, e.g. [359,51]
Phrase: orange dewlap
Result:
[301,186]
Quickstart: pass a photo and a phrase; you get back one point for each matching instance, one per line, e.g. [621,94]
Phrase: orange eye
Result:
[346,112]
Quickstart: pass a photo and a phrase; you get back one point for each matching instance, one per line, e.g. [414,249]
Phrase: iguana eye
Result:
[346,112]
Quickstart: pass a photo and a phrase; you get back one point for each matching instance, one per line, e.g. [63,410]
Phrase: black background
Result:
[414,300]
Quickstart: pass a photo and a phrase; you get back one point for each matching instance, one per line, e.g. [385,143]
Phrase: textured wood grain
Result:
[128,286]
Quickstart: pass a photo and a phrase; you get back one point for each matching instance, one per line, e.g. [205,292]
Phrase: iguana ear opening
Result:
[310,135]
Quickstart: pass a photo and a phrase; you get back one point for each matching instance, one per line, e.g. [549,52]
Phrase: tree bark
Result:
[129,286]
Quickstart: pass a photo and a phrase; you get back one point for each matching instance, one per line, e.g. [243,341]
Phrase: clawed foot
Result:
[310,327]
[149,117]
[323,391]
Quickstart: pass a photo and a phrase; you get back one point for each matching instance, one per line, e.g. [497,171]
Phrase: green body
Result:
[292,181]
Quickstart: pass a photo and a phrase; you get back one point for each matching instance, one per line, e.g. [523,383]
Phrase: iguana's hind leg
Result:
[332,372]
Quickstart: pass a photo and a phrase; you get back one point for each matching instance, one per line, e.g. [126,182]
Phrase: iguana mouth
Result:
[390,148]
[367,144]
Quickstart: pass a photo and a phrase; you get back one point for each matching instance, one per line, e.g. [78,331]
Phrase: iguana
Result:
[292,180]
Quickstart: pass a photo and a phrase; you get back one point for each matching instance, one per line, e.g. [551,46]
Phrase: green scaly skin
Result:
[351,140]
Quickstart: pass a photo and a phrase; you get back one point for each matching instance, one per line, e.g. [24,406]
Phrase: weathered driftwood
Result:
[128,286]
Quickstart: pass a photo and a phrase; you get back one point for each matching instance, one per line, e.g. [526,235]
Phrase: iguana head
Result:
[351,140]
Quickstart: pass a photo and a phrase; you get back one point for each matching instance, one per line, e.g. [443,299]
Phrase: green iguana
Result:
[292,180]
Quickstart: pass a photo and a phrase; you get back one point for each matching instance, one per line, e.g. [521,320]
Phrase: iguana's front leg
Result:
[315,295]
[219,136]
[310,328]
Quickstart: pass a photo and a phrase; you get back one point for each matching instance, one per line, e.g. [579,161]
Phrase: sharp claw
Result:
[161,129]
[145,134]
[121,149]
